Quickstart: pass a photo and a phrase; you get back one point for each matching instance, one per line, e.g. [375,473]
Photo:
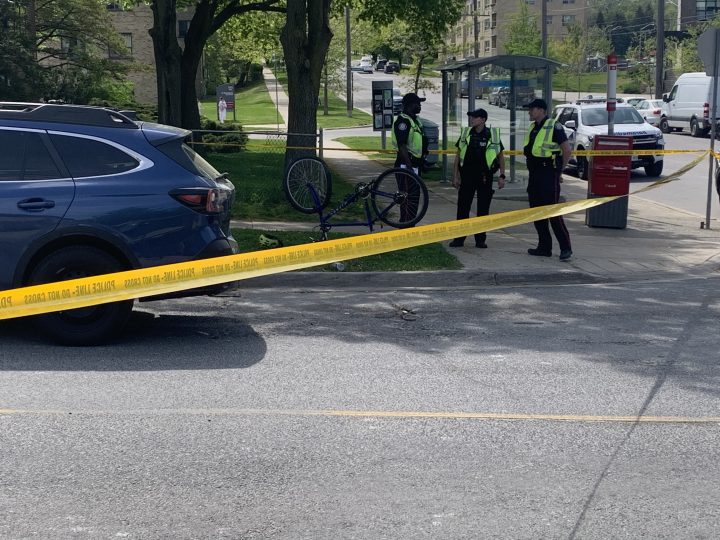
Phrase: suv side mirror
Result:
[570,124]
[666,99]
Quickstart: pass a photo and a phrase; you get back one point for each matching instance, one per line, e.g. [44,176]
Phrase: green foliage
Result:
[224,143]
[522,31]
[64,55]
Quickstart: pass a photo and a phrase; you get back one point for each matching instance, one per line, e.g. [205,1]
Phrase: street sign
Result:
[707,49]
[382,105]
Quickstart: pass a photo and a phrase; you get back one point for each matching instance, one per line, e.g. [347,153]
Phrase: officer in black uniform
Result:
[479,156]
[408,136]
[547,151]
[411,143]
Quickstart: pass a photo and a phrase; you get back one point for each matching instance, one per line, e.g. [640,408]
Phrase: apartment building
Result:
[482,29]
[133,25]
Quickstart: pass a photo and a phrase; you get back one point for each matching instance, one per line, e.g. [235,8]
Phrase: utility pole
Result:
[476,27]
[660,50]
[348,93]
[543,28]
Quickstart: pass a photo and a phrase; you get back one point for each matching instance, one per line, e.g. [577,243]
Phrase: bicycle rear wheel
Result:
[308,185]
[399,198]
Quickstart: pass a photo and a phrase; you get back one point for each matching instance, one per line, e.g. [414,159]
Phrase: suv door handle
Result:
[35,204]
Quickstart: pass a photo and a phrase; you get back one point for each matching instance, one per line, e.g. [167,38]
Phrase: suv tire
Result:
[583,169]
[82,326]
[655,169]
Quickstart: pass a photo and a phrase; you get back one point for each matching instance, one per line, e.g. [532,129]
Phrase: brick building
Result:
[482,28]
[134,26]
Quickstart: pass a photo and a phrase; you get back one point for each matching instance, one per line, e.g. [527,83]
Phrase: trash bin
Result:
[432,132]
[609,176]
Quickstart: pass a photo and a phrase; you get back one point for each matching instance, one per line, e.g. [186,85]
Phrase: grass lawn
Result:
[257,176]
[426,257]
[253,106]
[374,142]
[337,110]
[587,82]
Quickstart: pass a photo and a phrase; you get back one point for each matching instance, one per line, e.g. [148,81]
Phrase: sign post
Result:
[709,52]
[611,91]
[382,108]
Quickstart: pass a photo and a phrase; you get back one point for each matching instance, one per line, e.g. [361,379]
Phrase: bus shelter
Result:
[503,85]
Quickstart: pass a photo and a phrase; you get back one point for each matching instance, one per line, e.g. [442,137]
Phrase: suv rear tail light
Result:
[205,201]
[657,111]
[706,110]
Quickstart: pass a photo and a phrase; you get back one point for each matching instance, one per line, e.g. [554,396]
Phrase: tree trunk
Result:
[305,40]
[167,61]
[199,31]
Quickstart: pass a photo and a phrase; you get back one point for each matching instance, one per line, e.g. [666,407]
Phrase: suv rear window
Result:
[87,157]
[188,158]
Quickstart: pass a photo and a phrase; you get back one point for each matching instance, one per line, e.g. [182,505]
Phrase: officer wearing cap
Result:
[547,151]
[479,156]
[407,134]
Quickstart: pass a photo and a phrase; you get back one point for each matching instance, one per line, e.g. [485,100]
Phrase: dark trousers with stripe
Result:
[544,188]
[469,185]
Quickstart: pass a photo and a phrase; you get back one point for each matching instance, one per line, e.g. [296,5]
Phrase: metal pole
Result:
[348,93]
[543,31]
[713,132]
[321,141]
[660,50]
[445,100]
[679,15]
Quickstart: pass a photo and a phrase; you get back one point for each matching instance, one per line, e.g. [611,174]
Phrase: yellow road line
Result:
[448,415]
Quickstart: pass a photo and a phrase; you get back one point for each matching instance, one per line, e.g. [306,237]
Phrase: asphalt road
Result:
[502,412]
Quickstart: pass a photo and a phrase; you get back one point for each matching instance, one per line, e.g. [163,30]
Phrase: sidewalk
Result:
[658,241]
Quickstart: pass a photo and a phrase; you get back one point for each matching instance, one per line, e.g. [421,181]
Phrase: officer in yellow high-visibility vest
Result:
[412,147]
[479,156]
[547,151]
[407,134]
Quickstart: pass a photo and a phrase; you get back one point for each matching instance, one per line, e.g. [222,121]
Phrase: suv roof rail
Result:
[66,114]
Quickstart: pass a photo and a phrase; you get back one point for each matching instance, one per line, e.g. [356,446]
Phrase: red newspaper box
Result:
[609,175]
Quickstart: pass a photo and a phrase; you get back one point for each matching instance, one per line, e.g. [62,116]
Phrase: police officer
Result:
[479,156]
[408,136]
[411,144]
[547,151]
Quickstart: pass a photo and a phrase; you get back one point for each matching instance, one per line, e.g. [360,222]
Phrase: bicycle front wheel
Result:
[308,185]
[399,198]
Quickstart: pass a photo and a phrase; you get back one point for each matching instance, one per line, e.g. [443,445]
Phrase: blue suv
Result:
[87,191]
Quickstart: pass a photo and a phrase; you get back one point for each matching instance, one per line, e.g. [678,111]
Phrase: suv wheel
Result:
[82,326]
[655,169]
[582,167]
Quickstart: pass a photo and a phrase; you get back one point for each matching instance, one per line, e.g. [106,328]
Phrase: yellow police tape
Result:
[170,278]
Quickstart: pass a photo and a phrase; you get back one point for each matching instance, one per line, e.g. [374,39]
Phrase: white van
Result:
[689,104]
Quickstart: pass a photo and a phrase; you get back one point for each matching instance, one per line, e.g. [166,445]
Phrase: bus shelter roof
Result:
[507,61]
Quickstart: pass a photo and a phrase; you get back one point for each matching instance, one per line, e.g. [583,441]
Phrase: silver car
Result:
[652,110]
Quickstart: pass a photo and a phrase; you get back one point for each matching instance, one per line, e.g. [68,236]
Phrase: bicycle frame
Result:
[361,190]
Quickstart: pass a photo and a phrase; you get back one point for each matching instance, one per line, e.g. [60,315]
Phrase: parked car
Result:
[494,98]
[366,66]
[503,97]
[464,87]
[392,67]
[397,101]
[380,65]
[584,120]
[633,101]
[87,191]
[652,110]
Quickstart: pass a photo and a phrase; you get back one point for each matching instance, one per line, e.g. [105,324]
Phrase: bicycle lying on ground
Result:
[398,197]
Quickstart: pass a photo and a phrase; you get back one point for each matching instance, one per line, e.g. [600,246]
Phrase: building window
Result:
[568,1]
[115,6]
[530,2]
[183,28]
[494,42]
[487,24]
[493,23]
[567,20]
[127,53]
[548,20]
[487,45]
